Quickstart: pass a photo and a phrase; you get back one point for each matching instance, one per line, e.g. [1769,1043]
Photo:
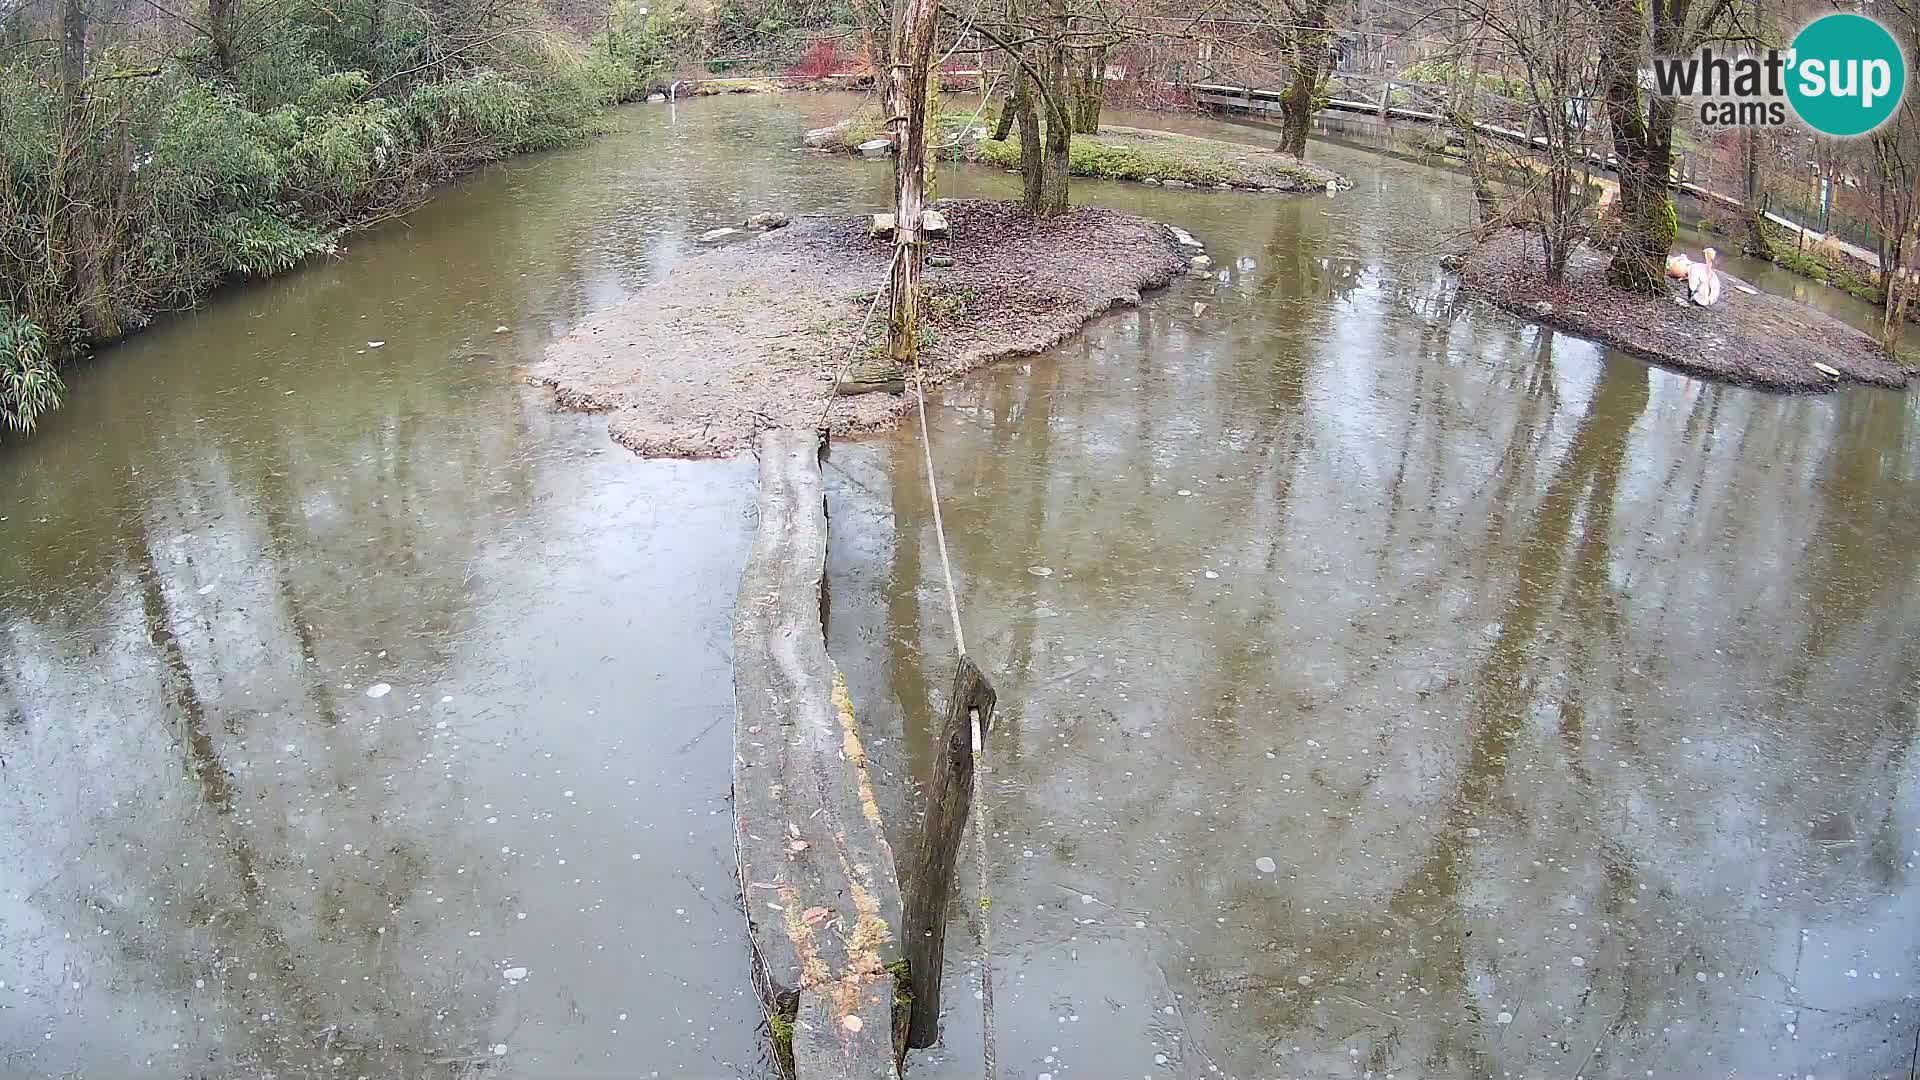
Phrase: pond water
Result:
[1388,686]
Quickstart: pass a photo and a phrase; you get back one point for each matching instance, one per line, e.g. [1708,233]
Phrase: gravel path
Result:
[751,336]
[1753,338]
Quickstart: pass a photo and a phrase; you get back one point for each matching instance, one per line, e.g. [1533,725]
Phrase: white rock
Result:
[514,974]
[1203,262]
[655,99]
[375,344]
[1265,864]
[502,329]
[933,224]
[718,234]
[379,690]
[1185,238]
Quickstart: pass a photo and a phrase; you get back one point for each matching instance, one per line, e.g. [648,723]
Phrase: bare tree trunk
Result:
[1028,114]
[1893,265]
[1647,222]
[1309,58]
[220,33]
[1049,197]
[1055,162]
[1089,89]
[1642,141]
[1003,123]
[907,84]
[1751,194]
[377,39]
[73,53]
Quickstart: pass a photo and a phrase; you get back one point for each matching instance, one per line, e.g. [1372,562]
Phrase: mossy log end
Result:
[820,889]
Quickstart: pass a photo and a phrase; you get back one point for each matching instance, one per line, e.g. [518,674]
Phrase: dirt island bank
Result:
[1749,337]
[752,335]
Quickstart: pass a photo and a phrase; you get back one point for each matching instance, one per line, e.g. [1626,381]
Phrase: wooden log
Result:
[817,878]
[930,878]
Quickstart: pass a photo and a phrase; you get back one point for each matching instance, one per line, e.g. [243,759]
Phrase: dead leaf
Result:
[814,916]
[797,846]
[852,1023]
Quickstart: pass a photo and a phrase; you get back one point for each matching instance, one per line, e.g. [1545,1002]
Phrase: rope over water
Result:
[979,744]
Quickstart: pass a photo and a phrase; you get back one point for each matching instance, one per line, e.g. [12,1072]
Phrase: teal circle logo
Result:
[1847,76]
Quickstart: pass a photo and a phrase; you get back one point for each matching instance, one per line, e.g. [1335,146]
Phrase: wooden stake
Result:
[949,801]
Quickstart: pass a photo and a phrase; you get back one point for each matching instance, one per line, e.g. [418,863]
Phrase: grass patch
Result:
[1811,264]
[780,1027]
[870,123]
[1137,154]
[1113,161]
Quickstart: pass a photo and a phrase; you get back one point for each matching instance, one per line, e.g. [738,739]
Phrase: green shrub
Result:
[29,385]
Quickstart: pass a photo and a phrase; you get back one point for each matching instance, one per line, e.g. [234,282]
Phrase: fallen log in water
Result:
[821,891]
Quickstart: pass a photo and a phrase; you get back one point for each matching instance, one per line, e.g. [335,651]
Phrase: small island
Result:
[751,336]
[1748,337]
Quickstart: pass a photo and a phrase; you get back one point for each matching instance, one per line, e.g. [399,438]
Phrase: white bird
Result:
[1677,265]
[1703,281]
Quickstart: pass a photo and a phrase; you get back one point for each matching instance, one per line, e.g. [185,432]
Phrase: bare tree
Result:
[1536,57]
